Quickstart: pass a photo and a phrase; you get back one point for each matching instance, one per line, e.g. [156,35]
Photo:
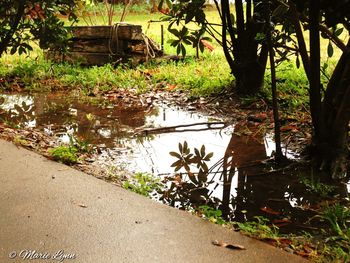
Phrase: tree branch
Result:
[20,12]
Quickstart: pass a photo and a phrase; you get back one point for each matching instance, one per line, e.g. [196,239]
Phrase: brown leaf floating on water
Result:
[227,245]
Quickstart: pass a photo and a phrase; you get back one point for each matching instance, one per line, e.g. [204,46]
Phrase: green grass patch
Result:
[259,228]
[143,184]
[64,154]
[201,77]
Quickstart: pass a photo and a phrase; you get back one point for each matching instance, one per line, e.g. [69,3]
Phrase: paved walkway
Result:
[49,208]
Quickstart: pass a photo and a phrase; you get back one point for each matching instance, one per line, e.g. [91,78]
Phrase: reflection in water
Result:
[237,182]
[242,186]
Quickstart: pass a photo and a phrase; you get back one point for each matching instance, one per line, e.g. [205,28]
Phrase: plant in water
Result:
[143,184]
[64,154]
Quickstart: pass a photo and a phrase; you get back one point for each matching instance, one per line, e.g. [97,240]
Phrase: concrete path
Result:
[55,212]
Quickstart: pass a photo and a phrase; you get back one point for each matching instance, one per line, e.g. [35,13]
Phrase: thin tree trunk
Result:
[315,87]
[279,154]
[300,38]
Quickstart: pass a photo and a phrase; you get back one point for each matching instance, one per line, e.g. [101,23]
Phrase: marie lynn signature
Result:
[26,254]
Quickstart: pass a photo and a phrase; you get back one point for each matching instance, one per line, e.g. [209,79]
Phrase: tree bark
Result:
[315,87]
[249,77]
[336,107]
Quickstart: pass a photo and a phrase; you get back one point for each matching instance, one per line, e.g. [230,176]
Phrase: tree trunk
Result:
[249,77]
[332,148]
[241,49]
[330,116]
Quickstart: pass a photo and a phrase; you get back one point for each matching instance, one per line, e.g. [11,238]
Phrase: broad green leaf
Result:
[187,41]
[338,31]
[330,50]
[297,62]
[233,19]
[174,31]
[178,50]
[201,47]
[184,31]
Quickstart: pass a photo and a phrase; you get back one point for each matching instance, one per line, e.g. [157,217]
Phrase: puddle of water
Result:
[237,184]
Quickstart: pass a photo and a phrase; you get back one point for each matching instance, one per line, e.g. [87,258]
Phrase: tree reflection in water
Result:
[243,184]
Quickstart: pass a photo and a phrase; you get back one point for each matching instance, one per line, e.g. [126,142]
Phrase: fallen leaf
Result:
[227,245]
[171,87]
[270,211]
[207,45]
[281,222]
[290,127]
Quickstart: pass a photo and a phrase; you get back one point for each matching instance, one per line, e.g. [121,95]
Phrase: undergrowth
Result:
[200,77]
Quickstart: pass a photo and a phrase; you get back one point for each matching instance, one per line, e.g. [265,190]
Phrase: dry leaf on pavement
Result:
[227,245]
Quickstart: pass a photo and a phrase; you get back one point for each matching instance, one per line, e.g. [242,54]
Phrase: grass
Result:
[201,77]
[143,184]
[64,154]
[259,228]
[69,154]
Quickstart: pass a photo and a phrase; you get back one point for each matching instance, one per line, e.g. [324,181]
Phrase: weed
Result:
[259,228]
[338,243]
[19,141]
[339,218]
[64,154]
[317,187]
[211,214]
[79,144]
[143,184]
[334,254]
